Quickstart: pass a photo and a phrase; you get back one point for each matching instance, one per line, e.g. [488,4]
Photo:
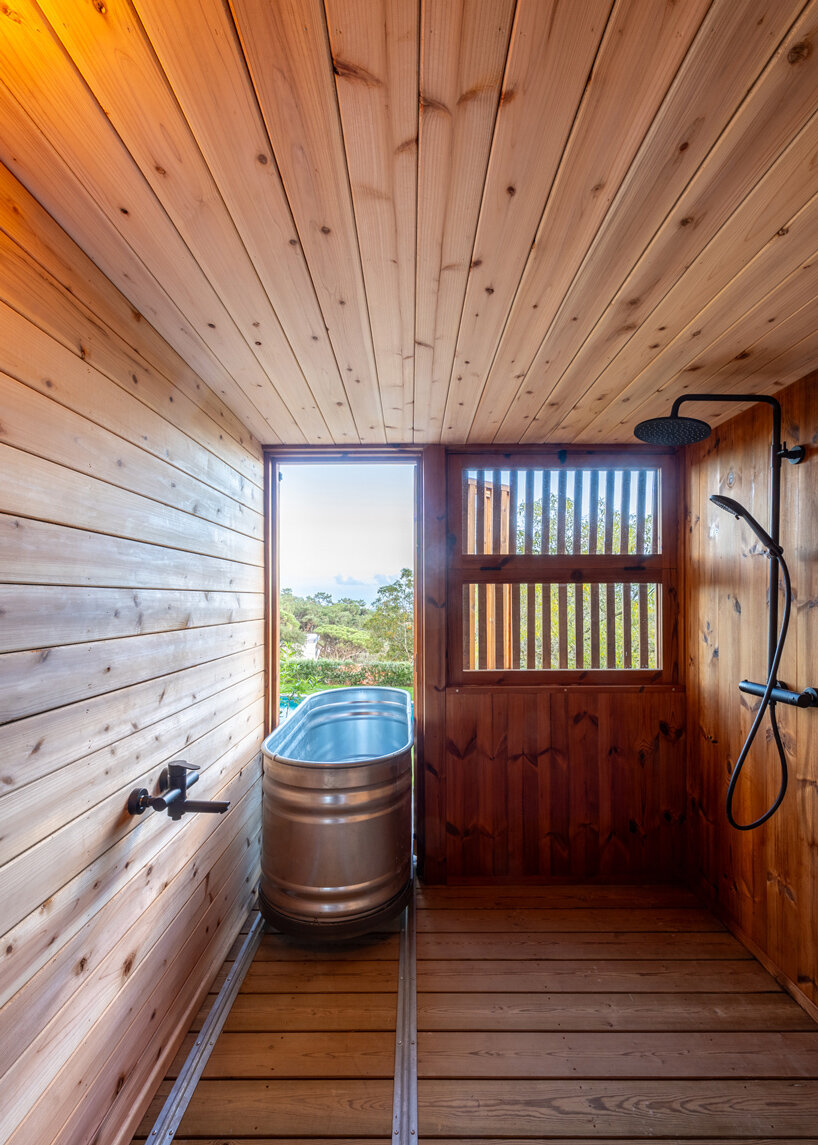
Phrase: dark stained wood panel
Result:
[565,783]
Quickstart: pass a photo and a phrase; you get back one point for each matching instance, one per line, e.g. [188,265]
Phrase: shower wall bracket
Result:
[174,781]
[806,699]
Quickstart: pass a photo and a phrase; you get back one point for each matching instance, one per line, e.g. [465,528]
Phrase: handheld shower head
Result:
[740,513]
[672,430]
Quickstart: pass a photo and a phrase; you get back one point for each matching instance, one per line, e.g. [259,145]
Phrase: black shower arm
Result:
[774,404]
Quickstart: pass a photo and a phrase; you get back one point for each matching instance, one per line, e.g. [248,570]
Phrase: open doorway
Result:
[343,565]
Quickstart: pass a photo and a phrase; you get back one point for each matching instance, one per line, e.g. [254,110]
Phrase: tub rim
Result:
[293,761]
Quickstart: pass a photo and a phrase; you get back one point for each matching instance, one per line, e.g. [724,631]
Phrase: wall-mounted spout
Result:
[174,781]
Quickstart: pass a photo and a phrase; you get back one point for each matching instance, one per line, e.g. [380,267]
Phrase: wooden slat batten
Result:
[132,579]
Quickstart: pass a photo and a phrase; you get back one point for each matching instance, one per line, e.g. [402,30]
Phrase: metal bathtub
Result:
[337,813]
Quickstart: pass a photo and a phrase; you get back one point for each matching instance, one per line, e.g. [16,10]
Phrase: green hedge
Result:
[307,675]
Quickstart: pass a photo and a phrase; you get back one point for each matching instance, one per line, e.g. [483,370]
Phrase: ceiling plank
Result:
[766,214]
[288,55]
[375,61]
[196,44]
[109,49]
[643,47]
[734,44]
[463,54]
[766,150]
[48,113]
[552,49]
[774,286]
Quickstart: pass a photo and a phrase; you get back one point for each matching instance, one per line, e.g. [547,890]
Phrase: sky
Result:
[345,528]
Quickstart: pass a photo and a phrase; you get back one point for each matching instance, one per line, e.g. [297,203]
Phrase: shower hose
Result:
[766,703]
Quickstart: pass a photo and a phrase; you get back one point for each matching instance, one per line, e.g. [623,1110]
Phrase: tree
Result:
[391,623]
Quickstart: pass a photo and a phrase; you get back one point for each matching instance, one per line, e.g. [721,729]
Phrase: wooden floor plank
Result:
[332,1055]
[575,1015]
[546,1011]
[290,1108]
[487,1141]
[320,977]
[667,976]
[624,1109]
[473,1054]
[312,1011]
[251,1054]
[563,896]
[576,919]
[279,948]
[698,945]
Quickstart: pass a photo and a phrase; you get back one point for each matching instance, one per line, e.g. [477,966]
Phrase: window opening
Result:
[561,567]
[344,571]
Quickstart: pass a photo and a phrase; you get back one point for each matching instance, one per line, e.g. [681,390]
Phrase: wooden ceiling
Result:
[423,220]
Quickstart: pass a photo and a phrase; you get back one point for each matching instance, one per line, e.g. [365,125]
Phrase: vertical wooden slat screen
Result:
[469,488]
[624,546]
[610,592]
[579,608]
[513,510]
[584,523]
[562,589]
[641,485]
[528,549]
[498,536]
[593,540]
[480,547]
[528,542]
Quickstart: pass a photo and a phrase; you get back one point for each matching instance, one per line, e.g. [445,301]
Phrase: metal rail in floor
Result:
[578,1014]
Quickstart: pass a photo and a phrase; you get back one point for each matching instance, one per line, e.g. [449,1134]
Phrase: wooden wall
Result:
[131,597]
[549,783]
[764,882]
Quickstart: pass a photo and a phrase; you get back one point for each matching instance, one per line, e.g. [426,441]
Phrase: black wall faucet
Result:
[173,784]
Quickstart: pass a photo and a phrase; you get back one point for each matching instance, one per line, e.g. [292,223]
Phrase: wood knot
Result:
[262,159]
[686,221]
[798,52]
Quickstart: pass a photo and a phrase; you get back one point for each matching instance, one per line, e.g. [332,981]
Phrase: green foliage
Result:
[350,630]
[391,623]
[296,677]
[309,675]
[589,616]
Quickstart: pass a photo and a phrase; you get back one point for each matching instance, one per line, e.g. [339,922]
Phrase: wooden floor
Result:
[544,1013]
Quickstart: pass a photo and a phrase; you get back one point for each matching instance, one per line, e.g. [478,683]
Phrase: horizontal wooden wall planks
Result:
[132,600]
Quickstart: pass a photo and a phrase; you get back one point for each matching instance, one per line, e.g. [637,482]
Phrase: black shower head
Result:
[740,513]
[672,430]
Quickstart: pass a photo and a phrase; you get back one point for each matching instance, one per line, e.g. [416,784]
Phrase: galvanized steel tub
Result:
[337,813]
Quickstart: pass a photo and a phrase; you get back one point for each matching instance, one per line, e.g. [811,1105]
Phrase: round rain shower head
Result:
[673,430]
[742,514]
